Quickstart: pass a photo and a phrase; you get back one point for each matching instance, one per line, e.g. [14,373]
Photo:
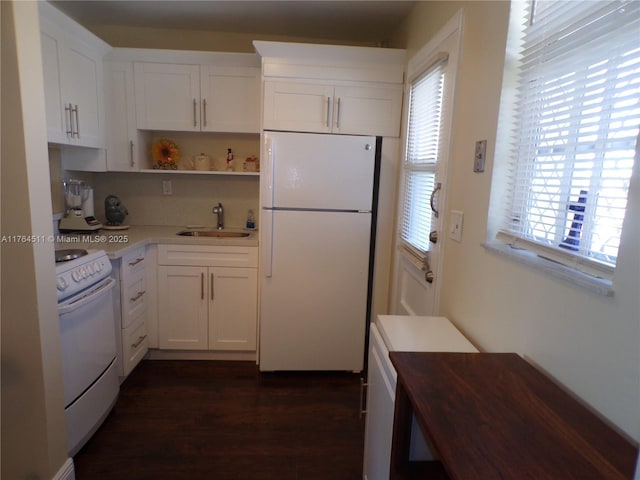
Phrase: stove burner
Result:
[69,254]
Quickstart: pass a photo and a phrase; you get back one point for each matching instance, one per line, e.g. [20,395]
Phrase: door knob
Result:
[433,236]
[429,276]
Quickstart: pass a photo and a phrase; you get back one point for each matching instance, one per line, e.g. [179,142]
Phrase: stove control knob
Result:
[76,276]
[90,270]
[98,266]
[83,272]
[61,283]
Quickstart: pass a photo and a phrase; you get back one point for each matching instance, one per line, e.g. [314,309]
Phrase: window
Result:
[421,157]
[576,132]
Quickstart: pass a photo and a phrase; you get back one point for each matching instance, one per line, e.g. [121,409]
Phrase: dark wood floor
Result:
[209,420]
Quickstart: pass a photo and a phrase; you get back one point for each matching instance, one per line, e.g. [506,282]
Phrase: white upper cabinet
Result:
[122,135]
[332,89]
[230,98]
[297,106]
[327,108]
[72,66]
[197,98]
[367,110]
[167,96]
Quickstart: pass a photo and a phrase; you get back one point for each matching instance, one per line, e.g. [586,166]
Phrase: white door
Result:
[82,87]
[182,312]
[167,96]
[233,311]
[313,290]
[230,99]
[422,205]
[298,107]
[367,110]
[305,170]
[57,118]
[122,154]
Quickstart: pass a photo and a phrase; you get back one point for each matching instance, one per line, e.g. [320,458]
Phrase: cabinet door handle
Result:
[338,114]
[133,163]
[195,121]
[202,286]
[136,261]
[67,119]
[328,109]
[204,112]
[75,110]
[140,294]
[140,340]
[212,286]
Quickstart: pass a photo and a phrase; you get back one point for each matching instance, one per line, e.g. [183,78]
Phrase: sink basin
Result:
[212,233]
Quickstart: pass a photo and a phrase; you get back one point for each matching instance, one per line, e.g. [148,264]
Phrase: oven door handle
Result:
[87,297]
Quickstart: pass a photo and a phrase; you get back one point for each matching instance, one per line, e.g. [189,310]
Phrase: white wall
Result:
[588,342]
[33,424]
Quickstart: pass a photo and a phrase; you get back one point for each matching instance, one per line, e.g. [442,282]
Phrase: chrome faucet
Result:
[218,210]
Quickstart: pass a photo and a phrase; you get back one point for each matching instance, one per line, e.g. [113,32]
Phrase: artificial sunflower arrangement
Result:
[165,154]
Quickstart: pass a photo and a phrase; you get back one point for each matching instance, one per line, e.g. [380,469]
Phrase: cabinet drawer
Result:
[134,300]
[208,256]
[133,263]
[135,344]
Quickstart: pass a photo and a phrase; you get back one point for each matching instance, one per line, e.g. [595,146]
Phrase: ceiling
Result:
[350,21]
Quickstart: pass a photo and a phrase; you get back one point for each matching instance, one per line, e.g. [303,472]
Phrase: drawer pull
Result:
[136,261]
[140,340]
[140,294]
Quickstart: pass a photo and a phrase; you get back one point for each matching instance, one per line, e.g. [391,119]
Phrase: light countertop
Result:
[117,243]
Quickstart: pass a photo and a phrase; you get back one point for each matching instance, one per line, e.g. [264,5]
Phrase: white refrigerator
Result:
[315,242]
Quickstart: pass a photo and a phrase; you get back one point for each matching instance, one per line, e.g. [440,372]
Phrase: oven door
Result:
[87,331]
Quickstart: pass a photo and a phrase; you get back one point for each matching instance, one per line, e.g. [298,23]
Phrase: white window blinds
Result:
[421,157]
[577,129]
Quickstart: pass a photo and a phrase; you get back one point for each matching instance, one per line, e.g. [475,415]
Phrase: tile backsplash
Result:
[191,201]
[193,195]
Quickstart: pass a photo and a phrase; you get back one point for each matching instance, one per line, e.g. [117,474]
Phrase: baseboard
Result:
[155,354]
[66,472]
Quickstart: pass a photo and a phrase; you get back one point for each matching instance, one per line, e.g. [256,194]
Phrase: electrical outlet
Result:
[481,153]
[455,225]
[166,187]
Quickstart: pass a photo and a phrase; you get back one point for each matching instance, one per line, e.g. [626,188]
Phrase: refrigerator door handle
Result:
[267,226]
[269,148]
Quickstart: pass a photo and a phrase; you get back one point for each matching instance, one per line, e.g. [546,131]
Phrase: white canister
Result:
[202,162]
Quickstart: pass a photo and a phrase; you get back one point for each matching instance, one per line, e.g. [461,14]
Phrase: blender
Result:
[76,219]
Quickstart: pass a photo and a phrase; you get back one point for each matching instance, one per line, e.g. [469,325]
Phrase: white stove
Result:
[88,340]
[82,269]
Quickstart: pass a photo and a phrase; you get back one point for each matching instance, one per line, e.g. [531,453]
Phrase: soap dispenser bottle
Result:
[251,223]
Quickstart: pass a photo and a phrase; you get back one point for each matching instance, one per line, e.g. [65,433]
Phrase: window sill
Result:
[531,259]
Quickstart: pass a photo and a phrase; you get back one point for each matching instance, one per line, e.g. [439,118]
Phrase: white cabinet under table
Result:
[399,333]
[207,297]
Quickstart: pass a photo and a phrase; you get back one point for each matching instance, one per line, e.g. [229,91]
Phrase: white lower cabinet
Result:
[207,307]
[131,309]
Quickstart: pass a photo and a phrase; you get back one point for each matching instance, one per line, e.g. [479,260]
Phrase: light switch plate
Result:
[480,156]
[167,188]
[455,225]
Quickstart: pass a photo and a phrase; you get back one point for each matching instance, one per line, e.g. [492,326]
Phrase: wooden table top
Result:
[493,415]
